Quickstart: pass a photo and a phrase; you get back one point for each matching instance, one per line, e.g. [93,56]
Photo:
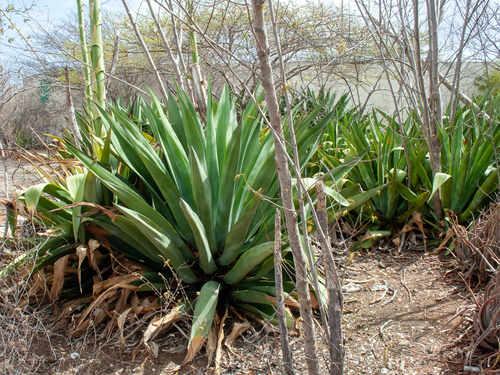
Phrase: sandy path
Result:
[15,173]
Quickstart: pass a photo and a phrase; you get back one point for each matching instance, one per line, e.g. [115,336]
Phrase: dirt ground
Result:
[15,173]
[397,312]
[396,324]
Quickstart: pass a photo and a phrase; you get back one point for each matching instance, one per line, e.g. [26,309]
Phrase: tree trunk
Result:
[173,60]
[6,182]
[435,102]
[85,55]
[114,60]
[146,52]
[71,111]
[286,188]
[97,58]
[280,303]
[199,85]
[335,297]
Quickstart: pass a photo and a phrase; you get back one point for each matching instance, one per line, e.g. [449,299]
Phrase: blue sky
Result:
[58,9]
[45,12]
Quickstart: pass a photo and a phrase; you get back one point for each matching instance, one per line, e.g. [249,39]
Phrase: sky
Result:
[44,12]
[56,9]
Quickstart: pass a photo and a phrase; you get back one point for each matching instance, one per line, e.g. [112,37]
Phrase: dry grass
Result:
[22,331]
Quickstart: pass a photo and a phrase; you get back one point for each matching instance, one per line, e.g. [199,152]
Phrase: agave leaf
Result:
[439,180]
[203,317]
[207,262]
[53,256]
[266,267]
[226,190]
[212,155]
[175,118]
[133,199]
[337,168]
[248,260]
[359,199]
[481,156]
[335,195]
[203,197]
[192,126]
[125,230]
[486,188]
[460,178]
[76,186]
[238,233]
[268,313]
[33,193]
[415,205]
[160,236]
[254,296]
[37,253]
[224,125]
[406,193]
[174,152]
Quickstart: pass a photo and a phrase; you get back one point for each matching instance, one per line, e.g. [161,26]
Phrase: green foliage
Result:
[185,200]
[24,138]
[468,157]
[45,89]
[470,175]
[179,198]
[489,82]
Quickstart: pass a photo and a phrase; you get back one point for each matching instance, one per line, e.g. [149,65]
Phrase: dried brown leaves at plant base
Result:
[478,246]
[117,303]
[487,319]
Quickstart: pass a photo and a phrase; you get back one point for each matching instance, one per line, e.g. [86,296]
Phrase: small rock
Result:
[402,365]
[352,288]
[404,342]
[472,369]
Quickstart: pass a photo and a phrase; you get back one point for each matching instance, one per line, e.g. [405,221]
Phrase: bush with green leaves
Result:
[469,177]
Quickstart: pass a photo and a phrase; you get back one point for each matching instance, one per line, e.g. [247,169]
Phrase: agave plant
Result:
[176,197]
[385,167]
[468,153]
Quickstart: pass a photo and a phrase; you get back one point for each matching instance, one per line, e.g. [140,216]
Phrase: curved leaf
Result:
[203,317]
[248,261]
[207,262]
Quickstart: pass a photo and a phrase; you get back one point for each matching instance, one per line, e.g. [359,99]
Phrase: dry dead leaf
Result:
[238,329]
[99,287]
[58,279]
[194,347]
[159,323]
[417,218]
[81,253]
[211,343]
[220,338]
[121,323]
[289,301]
[449,234]
[108,293]
[94,256]
[38,283]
